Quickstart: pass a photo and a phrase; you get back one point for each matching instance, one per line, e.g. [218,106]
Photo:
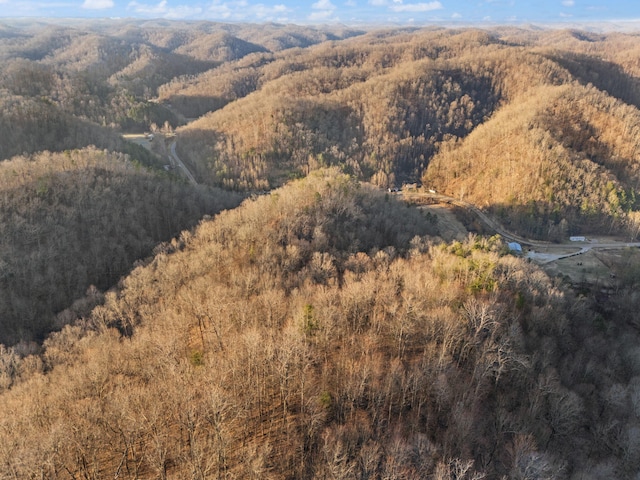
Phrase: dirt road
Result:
[540,252]
[179,162]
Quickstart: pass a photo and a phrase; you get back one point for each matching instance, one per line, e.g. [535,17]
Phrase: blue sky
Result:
[351,12]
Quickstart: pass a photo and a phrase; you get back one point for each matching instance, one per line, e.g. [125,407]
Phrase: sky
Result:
[349,12]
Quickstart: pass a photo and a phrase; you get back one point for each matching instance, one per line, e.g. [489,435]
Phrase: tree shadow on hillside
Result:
[547,222]
[194,106]
[607,76]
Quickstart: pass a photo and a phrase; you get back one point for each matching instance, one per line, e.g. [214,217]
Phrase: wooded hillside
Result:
[74,219]
[154,329]
[275,342]
[272,103]
[561,161]
[80,219]
[394,107]
[76,83]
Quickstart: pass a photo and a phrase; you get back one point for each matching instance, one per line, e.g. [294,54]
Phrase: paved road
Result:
[496,227]
[186,171]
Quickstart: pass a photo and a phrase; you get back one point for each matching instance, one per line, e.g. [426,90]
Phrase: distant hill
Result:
[384,104]
[220,47]
[371,107]
[106,72]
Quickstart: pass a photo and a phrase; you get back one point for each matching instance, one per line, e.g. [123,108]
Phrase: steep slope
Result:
[276,37]
[562,161]
[150,67]
[378,108]
[219,47]
[105,72]
[29,125]
[36,41]
[275,342]
[380,105]
[212,90]
[77,219]
[605,75]
[321,330]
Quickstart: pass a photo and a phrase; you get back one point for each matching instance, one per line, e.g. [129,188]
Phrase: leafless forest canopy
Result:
[287,318]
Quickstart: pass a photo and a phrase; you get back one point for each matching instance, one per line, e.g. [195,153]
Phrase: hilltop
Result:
[319,331]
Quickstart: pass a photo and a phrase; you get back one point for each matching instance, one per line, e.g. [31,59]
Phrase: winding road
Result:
[488,221]
[547,255]
[492,224]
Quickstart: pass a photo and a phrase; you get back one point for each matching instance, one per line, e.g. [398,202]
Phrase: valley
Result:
[283,252]
[594,261]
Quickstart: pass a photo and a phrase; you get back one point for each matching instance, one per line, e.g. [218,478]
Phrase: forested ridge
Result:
[79,219]
[75,217]
[275,102]
[66,86]
[288,317]
[398,107]
[322,332]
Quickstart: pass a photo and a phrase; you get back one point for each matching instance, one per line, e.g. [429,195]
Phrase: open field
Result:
[596,268]
[604,267]
[449,226]
[139,139]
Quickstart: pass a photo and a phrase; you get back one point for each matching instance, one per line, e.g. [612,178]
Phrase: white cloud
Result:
[323,5]
[416,7]
[221,10]
[163,10]
[264,12]
[240,10]
[183,11]
[350,3]
[323,11]
[565,15]
[398,6]
[146,9]
[568,3]
[95,4]
[456,15]
[321,16]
